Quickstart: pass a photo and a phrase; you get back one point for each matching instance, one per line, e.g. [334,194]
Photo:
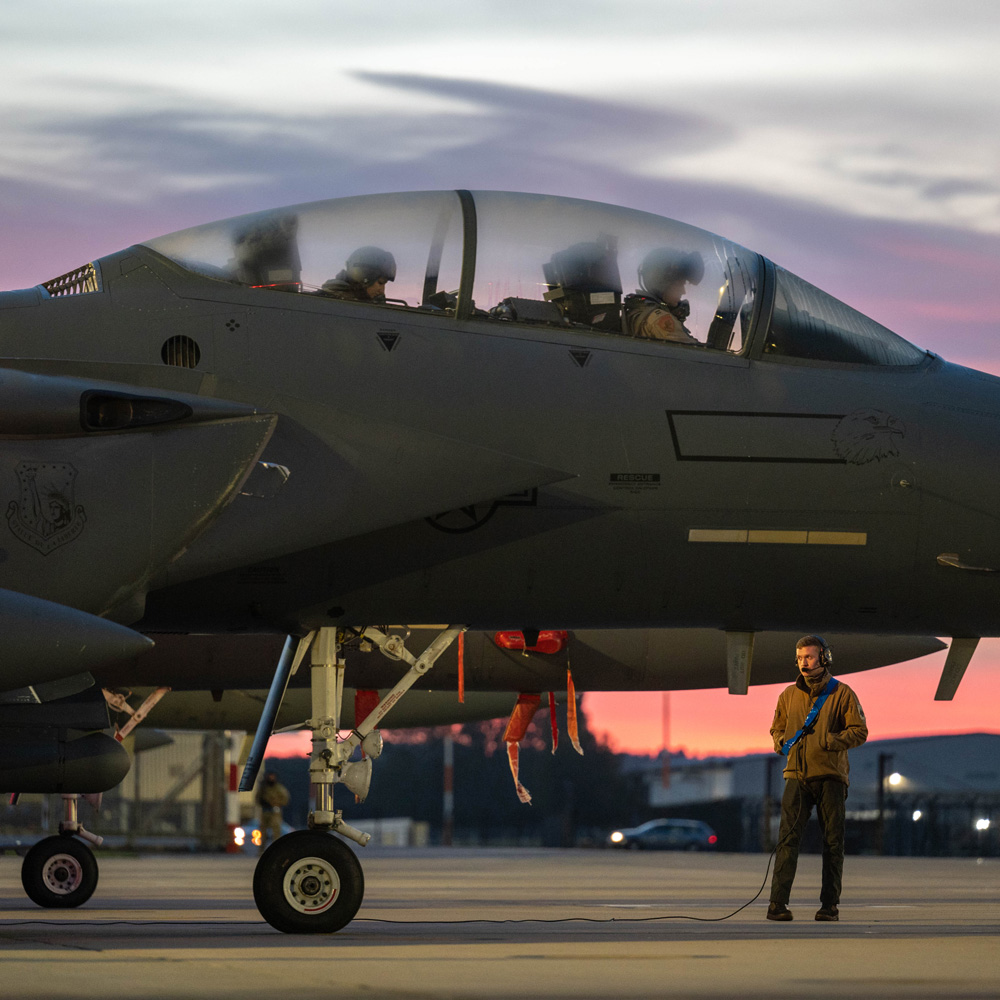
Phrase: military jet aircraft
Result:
[508,411]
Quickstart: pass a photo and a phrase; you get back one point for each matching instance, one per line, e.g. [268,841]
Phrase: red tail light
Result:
[712,839]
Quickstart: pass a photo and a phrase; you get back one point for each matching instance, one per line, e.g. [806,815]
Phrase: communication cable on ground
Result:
[384,920]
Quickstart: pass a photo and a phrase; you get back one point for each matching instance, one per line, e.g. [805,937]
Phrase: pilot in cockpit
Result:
[367,271]
[658,310]
[585,284]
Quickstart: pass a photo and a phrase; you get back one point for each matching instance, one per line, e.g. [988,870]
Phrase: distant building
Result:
[937,795]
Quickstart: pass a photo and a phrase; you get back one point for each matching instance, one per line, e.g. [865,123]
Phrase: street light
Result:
[883,761]
[895,778]
[982,824]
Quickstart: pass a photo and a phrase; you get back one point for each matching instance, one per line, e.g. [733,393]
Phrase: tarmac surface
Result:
[479,923]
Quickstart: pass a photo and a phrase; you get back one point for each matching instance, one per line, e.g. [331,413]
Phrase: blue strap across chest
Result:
[811,717]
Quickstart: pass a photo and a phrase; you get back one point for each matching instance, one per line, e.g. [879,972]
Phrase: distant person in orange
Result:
[272,797]
[817,720]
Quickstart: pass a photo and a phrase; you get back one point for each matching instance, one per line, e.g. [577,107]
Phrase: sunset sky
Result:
[897,700]
[853,143]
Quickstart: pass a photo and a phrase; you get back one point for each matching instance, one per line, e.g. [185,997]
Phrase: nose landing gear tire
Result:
[308,882]
[59,872]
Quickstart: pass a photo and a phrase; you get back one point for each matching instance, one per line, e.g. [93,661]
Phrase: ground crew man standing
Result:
[817,720]
[272,797]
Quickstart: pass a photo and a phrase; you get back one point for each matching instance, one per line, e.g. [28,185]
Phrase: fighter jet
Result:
[512,412]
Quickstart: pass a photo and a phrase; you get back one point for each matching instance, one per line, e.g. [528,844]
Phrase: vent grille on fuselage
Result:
[181,352]
[79,282]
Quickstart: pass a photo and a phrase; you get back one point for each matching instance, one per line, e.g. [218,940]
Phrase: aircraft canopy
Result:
[539,260]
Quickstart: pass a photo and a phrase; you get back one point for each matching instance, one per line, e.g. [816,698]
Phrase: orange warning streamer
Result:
[520,718]
[461,667]
[513,750]
[517,726]
[571,726]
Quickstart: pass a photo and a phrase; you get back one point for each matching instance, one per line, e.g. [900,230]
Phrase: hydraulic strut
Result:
[70,823]
[330,763]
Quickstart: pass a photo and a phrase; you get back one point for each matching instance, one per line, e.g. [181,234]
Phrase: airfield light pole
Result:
[883,765]
[135,819]
[213,789]
[448,806]
[665,722]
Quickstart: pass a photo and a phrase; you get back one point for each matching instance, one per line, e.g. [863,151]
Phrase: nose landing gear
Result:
[310,882]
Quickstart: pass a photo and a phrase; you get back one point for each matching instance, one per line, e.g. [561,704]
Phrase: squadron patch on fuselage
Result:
[868,436]
[45,516]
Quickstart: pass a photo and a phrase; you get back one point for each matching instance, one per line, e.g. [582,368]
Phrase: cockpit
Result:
[539,261]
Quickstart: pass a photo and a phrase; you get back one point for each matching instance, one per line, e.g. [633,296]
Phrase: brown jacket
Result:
[271,798]
[839,727]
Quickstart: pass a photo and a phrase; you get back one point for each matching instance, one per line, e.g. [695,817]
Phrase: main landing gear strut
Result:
[310,882]
[62,871]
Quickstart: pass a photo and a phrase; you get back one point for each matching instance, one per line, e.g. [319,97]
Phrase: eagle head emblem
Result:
[868,436]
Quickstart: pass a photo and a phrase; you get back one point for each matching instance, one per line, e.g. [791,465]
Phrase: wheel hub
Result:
[62,874]
[311,885]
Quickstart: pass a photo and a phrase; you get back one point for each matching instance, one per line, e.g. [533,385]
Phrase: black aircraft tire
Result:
[59,872]
[308,882]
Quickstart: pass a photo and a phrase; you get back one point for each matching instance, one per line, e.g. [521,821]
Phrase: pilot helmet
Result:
[662,267]
[585,267]
[367,264]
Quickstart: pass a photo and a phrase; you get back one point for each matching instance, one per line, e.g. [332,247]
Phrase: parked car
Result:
[666,835]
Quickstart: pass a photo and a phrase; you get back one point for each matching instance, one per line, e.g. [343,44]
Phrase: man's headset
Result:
[825,653]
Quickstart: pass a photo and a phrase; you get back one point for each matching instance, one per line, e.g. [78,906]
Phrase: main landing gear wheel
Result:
[59,872]
[308,882]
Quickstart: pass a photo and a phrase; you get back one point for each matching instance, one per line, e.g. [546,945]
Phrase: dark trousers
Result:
[829,797]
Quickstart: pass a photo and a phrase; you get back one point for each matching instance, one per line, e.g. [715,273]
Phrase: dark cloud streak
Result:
[552,118]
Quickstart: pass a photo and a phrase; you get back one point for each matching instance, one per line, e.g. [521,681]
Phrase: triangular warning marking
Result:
[388,340]
[581,358]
